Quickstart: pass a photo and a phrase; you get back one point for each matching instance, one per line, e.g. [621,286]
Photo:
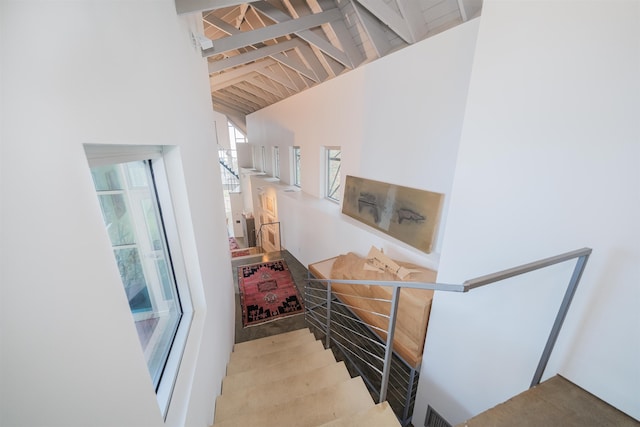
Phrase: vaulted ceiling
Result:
[261,52]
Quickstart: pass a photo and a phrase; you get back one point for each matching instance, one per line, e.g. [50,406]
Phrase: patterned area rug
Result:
[240,252]
[267,292]
[233,243]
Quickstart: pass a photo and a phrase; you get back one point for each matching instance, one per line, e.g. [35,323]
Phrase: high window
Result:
[235,135]
[140,232]
[276,162]
[332,173]
[296,166]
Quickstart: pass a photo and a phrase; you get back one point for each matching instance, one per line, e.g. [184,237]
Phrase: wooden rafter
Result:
[390,17]
[267,50]
[309,36]
[273,31]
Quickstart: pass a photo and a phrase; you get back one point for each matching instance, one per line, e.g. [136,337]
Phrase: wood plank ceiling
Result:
[261,52]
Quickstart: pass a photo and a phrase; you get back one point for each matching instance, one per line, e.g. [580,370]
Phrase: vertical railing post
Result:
[562,313]
[388,351]
[279,236]
[407,399]
[328,338]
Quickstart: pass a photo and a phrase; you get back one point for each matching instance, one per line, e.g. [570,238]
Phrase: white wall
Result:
[549,162]
[222,130]
[397,120]
[101,72]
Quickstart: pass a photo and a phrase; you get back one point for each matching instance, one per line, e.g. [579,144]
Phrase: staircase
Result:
[291,380]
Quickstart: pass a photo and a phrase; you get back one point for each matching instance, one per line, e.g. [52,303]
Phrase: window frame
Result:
[102,155]
[328,181]
[275,151]
[296,161]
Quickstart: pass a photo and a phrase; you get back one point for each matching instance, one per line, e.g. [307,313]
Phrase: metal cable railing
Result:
[230,173]
[326,310]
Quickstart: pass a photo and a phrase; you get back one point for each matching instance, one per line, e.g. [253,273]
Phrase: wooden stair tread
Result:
[277,372]
[346,398]
[270,340]
[262,361]
[266,396]
[266,347]
[380,415]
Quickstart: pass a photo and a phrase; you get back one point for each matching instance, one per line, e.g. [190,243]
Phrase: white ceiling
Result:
[264,51]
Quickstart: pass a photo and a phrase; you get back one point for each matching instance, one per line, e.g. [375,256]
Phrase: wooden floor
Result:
[556,402]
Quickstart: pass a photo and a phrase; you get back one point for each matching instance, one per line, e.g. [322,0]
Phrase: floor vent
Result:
[434,419]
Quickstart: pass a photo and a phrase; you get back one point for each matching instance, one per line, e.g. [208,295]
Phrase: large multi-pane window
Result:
[134,221]
[296,166]
[332,185]
[276,162]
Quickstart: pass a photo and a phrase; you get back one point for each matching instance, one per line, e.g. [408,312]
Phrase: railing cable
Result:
[582,255]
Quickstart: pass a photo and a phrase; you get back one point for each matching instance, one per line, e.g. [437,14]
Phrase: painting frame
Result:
[408,214]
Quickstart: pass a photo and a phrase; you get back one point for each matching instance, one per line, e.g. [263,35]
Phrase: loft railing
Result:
[273,237]
[329,314]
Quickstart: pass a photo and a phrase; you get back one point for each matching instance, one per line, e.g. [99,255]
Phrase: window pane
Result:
[333,173]
[296,166]
[106,178]
[132,218]
[116,217]
[276,162]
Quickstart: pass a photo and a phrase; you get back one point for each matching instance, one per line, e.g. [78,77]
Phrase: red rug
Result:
[240,252]
[267,292]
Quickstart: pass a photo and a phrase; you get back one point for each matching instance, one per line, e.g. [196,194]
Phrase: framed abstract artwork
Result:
[407,214]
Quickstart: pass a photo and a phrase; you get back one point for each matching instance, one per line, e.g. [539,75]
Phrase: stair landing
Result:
[556,402]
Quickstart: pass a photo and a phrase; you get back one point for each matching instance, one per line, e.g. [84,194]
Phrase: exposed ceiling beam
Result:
[192,6]
[309,36]
[312,61]
[412,13]
[247,38]
[223,100]
[295,64]
[371,26]
[303,51]
[231,94]
[267,50]
[317,72]
[220,24]
[296,78]
[330,64]
[346,40]
[280,77]
[222,80]
[341,32]
[247,96]
[389,17]
[268,86]
[253,55]
[249,87]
